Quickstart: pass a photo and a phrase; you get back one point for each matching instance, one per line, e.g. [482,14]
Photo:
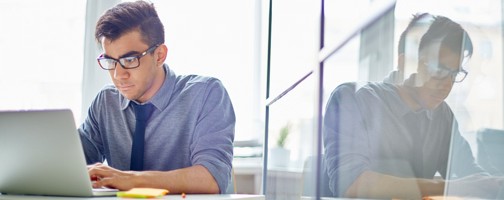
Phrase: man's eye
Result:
[128,60]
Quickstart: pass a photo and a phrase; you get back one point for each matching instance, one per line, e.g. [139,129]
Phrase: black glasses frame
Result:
[459,72]
[121,61]
[451,73]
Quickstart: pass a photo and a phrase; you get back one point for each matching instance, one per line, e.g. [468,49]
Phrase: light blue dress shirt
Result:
[369,127]
[192,124]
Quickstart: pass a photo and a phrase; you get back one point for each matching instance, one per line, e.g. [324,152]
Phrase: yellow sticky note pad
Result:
[143,193]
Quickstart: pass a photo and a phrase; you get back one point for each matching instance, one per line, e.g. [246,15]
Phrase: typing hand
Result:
[106,176]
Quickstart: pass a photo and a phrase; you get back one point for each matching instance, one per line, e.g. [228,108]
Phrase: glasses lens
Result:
[129,62]
[106,63]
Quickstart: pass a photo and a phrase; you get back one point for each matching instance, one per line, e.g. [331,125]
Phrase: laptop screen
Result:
[41,154]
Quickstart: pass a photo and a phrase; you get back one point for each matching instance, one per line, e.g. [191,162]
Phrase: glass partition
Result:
[413,104]
[291,143]
[293,168]
[294,48]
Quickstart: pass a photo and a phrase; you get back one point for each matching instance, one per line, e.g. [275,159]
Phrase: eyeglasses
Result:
[128,62]
[441,72]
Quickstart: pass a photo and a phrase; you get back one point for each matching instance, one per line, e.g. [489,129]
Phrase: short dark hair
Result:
[128,16]
[451,35]
[414,22]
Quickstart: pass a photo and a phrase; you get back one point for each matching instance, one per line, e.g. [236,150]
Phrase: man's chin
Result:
[129,96]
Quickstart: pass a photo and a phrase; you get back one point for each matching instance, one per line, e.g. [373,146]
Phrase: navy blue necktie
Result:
[142,114]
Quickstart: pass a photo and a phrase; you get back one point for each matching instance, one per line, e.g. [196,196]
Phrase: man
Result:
[384,140]
[154,128]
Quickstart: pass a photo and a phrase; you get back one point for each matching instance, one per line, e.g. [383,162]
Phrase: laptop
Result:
[474,190]
[41,154]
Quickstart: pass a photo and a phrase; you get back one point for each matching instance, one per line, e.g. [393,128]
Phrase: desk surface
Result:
[170,197]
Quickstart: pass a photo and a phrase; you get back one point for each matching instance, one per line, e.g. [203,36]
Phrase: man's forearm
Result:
[375,185]
[195,179]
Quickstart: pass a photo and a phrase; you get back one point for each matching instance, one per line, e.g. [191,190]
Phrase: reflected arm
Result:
[375,185]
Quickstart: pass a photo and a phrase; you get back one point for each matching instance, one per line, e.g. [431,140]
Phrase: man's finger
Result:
[94,178]
[100,172]
[93,165]
[105,182]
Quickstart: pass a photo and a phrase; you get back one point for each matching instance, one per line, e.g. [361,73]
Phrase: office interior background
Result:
[48,60]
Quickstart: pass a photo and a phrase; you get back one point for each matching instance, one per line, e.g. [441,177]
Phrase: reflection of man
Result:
[388,141]
[155,129]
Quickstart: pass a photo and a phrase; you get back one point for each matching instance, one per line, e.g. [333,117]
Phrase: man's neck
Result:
[156,85]
[409,96]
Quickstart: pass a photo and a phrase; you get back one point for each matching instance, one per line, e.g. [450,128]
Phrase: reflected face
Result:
[435,76]
[137,83]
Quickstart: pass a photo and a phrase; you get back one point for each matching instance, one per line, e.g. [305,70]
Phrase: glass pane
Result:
[291,142]
[393,120]
[294,48]
[294,45]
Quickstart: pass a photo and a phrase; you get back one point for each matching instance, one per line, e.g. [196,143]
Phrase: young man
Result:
[154,128]
[386,140]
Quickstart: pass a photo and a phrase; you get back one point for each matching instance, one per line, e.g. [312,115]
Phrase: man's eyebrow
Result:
[106,56]
[130,53]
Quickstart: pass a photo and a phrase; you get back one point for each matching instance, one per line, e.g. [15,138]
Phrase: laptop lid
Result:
[476,183]
[41,154]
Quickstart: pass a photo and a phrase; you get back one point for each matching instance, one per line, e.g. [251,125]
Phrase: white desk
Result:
[248,178]
[170,197]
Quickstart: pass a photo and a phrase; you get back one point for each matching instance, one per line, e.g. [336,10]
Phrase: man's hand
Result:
[106,176]
[194,179]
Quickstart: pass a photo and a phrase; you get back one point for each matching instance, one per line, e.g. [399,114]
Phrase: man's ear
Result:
[161,53]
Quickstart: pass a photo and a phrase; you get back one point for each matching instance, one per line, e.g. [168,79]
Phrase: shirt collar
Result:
[159,100]
[397,105]
[400,107]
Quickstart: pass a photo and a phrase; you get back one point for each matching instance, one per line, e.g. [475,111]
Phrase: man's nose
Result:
[120,72]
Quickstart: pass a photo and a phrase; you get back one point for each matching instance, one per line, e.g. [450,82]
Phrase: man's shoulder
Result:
[365,88]
[108,90]
[109,95]
[443,110]
[184,81]
[194,78]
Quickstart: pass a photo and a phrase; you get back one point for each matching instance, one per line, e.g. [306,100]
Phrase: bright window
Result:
[41,46]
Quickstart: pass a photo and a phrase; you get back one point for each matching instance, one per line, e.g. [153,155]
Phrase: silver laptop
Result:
[41,154]
[475,190]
